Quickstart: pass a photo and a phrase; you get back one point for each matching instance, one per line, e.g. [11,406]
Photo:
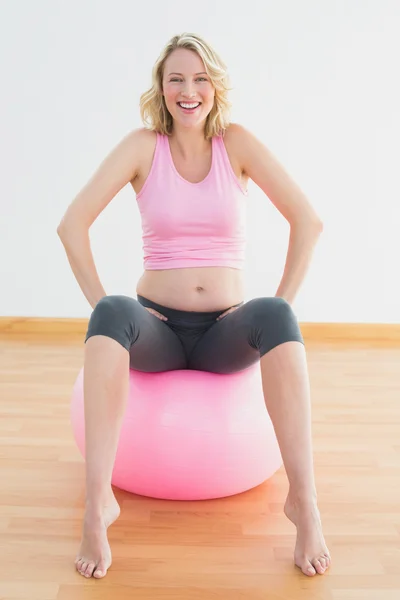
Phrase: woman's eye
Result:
[196,79]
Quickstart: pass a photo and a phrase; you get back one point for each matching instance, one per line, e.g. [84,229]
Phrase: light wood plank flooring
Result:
[229,549]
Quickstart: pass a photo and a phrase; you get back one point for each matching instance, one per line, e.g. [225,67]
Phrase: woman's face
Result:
[185,80]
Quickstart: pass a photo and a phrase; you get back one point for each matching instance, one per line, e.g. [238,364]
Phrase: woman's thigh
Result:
[157,348]
[152,345]
[240,338]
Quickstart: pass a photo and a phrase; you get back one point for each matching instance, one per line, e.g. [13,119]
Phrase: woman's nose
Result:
[188,93]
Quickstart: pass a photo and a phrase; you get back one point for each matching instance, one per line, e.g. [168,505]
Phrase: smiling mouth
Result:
[189,109]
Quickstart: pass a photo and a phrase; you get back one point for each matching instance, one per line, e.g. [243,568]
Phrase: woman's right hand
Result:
[156,314]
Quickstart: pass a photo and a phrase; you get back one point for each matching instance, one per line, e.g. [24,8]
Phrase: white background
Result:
[317,81]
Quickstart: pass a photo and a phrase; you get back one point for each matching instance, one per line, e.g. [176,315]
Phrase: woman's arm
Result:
[117,169]
[77,246]
[302,241]
[305,225]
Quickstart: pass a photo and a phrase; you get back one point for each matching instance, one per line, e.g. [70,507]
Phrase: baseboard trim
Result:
[351,332]
[318,332]
[42,326]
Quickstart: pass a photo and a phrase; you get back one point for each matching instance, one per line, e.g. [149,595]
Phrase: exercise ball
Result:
[190,435]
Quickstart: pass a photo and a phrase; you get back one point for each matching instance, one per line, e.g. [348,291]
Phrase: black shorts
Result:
[194,340]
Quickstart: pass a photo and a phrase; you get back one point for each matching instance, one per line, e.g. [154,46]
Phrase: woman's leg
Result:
[121,333]
[266,330]
[106,366]
[287,397]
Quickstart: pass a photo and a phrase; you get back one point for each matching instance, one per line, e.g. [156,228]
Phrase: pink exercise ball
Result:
[190,435]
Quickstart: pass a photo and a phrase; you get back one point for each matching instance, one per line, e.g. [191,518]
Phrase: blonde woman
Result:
[189,167]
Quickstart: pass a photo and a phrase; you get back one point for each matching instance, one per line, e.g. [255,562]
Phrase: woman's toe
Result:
[327,559]
[100,571]
[308,569]
[318,566]
[89,569]
[78,563]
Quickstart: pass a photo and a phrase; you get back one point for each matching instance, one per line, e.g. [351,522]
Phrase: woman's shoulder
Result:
[147,139]
[233,140]
[145,135]
[234,133]
[233,137]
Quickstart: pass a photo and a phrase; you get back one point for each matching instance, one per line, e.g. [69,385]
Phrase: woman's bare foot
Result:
[311,554]
[94,556]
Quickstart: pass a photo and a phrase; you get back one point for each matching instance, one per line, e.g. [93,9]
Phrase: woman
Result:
[189,170]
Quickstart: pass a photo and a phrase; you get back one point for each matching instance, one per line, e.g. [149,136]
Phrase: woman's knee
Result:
[271,308]
[114,317]
[274,322]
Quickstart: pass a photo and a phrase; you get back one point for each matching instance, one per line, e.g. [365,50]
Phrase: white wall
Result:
[318,83]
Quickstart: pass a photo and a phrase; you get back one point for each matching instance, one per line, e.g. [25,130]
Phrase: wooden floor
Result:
[235,548]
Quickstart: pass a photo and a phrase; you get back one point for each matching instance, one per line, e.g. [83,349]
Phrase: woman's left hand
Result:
[232,309]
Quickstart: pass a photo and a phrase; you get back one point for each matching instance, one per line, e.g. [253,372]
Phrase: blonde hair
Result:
[153,110]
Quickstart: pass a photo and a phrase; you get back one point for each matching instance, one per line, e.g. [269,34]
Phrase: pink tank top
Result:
[188,224]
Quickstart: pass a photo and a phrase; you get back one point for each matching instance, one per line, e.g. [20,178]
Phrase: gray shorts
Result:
[194,340]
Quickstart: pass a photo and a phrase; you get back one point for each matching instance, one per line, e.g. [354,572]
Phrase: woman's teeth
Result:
[189,106]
